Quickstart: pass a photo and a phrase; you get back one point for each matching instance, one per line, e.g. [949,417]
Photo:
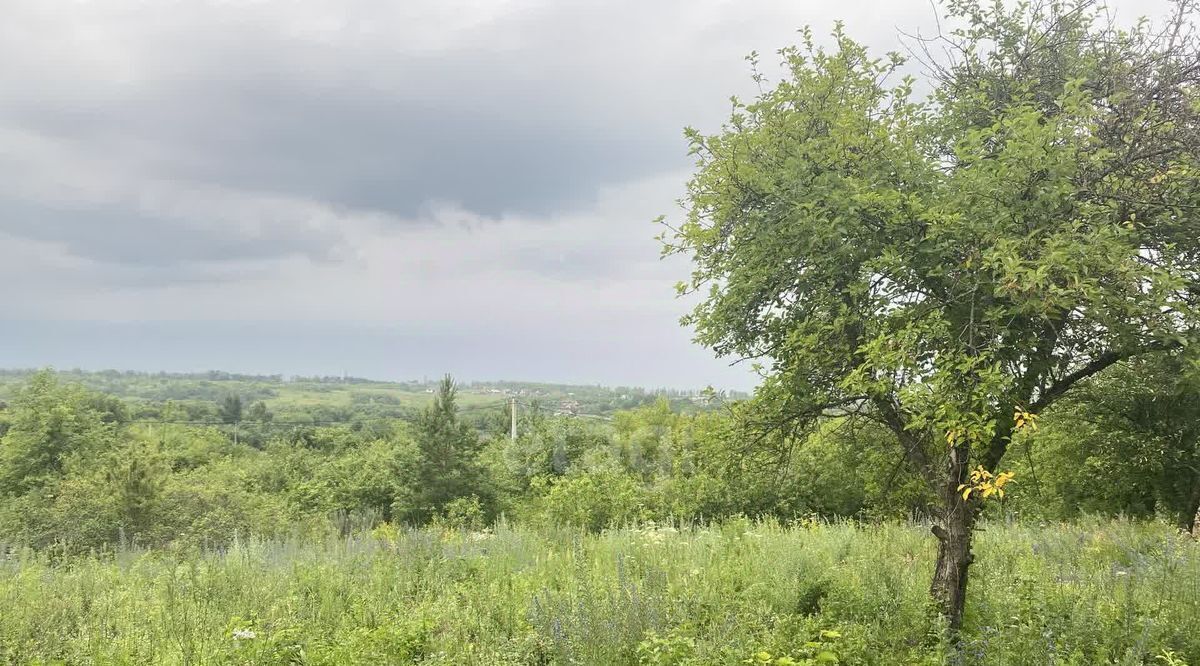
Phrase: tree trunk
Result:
[1187,517]
[949,589]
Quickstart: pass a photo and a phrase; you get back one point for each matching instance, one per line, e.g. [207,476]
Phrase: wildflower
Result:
[244,634]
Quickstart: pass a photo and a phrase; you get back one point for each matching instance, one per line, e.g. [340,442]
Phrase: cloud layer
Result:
[433,170]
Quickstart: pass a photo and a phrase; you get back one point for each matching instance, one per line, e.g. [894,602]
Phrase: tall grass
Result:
[1095,593]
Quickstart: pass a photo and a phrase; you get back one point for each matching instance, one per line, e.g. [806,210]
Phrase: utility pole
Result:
[513,405]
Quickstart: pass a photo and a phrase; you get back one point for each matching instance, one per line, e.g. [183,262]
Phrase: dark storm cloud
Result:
[396,155]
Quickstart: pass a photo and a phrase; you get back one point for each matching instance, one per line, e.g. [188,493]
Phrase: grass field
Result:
[1100,593]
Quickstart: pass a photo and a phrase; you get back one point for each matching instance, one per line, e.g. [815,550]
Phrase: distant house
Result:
[567,407]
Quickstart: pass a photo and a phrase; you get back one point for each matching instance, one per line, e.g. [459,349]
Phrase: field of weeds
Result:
[741,592]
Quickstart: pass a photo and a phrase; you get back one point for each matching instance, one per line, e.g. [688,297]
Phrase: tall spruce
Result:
[449,468]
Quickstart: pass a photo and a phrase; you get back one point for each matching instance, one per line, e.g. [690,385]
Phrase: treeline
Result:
[317,400]
[77,473]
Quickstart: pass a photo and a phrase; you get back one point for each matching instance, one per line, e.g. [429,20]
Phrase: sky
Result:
[386,189]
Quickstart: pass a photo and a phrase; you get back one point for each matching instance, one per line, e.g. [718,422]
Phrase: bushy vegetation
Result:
[78,475]
[580,541]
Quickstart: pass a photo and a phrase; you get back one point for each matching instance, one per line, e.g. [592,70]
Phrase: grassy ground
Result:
[1063,594]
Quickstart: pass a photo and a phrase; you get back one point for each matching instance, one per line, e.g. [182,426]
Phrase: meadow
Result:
[755,592]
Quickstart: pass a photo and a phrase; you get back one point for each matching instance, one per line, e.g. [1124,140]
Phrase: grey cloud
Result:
[366,125]
[366,106]
[119,235]
[382,154]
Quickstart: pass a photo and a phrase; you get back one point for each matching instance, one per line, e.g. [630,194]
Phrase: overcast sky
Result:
[390,189]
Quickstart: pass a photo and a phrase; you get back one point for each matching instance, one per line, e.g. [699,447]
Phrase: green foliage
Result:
[674,649]
[259,412]
[376,476]
[230,409]
[448,468]
[945,260]
[309,400]
[1141,423]
[550,447]
[593,501]
[462,513]
[135,476]
[640,557]
[50,426]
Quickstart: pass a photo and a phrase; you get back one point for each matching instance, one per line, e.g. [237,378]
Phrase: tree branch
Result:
[1098,364]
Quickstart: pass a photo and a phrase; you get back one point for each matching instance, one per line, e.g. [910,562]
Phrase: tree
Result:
[950,267]
[449,467]
[259,412]
[136,476]
[231,409]
[49,424]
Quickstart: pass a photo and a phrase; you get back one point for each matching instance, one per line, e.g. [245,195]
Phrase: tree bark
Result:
[949,589]
[957,524]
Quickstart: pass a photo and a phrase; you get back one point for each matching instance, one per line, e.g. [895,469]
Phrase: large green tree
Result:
[945,264]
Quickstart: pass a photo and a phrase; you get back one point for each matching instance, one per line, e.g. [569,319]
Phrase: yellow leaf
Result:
[967,493]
